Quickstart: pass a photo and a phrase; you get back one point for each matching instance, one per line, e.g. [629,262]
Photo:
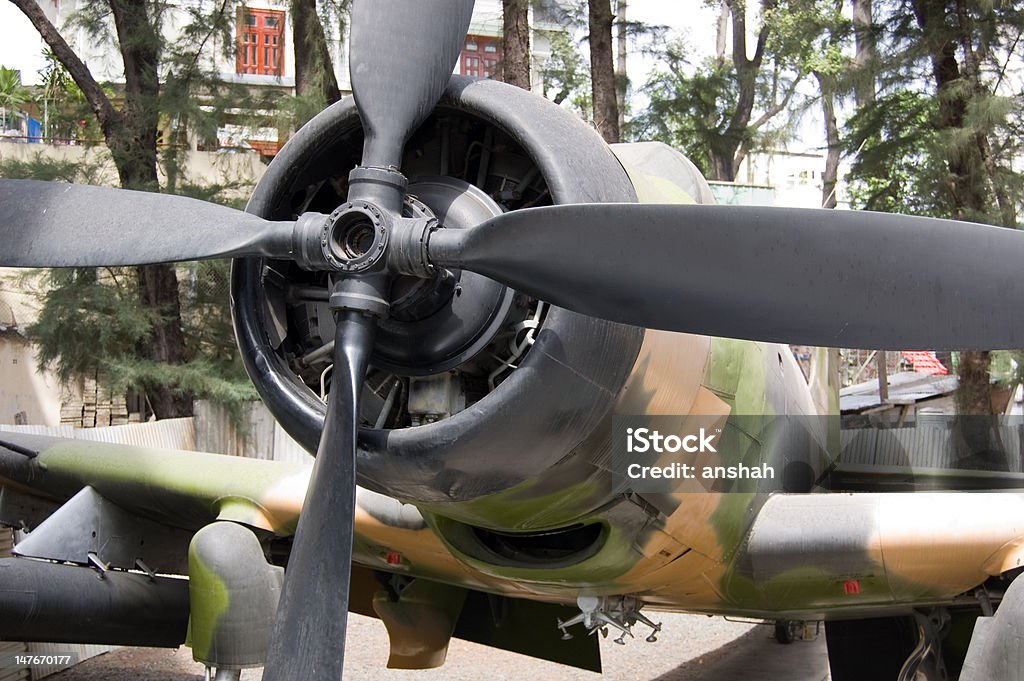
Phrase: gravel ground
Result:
[690,648]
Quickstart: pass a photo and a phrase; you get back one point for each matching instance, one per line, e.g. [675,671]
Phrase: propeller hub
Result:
[354,237]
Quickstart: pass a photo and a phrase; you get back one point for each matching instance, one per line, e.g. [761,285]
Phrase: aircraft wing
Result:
[138,508]
[839,555]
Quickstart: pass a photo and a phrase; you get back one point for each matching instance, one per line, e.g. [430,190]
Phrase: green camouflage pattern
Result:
[745,551]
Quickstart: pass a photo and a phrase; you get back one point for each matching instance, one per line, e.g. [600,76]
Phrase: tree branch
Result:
[777,107]
[98,100]
[762,41]
[738,9]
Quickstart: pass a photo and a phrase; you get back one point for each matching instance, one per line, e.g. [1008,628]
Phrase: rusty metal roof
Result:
[905,387]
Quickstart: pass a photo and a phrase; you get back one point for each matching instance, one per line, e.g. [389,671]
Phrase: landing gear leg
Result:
[787,631]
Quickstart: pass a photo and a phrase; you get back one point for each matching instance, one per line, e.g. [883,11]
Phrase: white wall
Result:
[23,390]
[200,167]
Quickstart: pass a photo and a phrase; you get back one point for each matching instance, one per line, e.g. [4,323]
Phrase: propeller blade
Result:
[397,86]
[818,277]
[308,641]
[49,224]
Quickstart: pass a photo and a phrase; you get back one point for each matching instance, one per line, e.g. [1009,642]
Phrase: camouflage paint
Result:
[208,602]
[708,552]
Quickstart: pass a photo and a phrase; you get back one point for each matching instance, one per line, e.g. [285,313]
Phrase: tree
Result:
[602,70]
[515,43]
[59,95]
[719,110]
[12,93]
[316,85]
[622,52]
[130,133]
[866,59]
[938,138]
[971,184]
[565,76]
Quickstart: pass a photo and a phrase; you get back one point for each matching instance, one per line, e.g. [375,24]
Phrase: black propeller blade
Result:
[396,85]
[394,89]
[815,277]
[47,224]
[309,634]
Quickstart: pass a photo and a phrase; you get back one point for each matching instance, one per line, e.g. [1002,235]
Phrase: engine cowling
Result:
[475,390]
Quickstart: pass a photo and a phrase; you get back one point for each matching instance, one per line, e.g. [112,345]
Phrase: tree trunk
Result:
[866,57]
[515,43]
[314,70]
[602,70]
[132,143]
[831,172]
[130,135]
[727,151]
[967,174]
[721,33]
[158,290]
[622,49]
[723,151]
[974,395]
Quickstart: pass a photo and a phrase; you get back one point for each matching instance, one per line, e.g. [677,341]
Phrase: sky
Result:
[20,45]
[689,19]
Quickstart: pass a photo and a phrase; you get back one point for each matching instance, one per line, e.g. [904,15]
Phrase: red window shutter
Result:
[260,38]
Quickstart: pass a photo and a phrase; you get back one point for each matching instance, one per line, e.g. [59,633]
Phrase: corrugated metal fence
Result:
[255,435]
[925,446]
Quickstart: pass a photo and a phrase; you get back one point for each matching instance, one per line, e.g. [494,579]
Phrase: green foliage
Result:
[95,169]
[689,107]
[88,318]
[12,93]
[942,138]
[91,323]
[199,378]
[67,115]
[896,155]
[1007,367]
[715,110]
[566,74]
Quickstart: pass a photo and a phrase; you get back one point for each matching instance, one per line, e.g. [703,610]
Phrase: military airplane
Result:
[457,295]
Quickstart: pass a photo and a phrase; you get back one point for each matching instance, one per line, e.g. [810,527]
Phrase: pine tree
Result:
[938,138]
[159,79]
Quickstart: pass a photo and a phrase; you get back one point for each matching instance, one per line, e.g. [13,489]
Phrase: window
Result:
[481,66]
[260,39]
